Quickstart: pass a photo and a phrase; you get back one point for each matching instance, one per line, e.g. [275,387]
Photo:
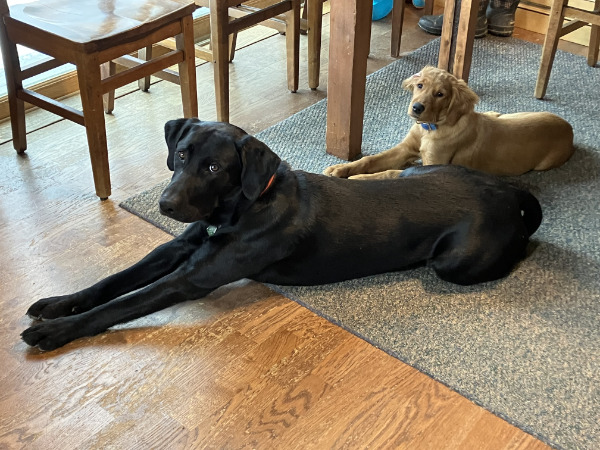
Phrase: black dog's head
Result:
[216,165]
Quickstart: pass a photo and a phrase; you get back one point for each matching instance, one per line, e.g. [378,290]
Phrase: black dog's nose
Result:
[167,206]
[418,108]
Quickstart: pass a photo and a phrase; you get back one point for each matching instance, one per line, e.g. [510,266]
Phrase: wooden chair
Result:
[398,18]
[311,23]
[95,35]
[556,28]
[244,16]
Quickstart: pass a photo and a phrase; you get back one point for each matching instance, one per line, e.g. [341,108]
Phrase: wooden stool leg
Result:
[92,105]
[397,19]
[108,70]
[146,55]
[187,68]
[314,12]
[555,23]
[292,39]
[14,83]
[219,41]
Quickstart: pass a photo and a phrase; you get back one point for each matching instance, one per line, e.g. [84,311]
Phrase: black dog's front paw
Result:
[54,307]
[52,334]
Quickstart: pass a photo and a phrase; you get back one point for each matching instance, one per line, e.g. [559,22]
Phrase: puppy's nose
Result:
[418,108]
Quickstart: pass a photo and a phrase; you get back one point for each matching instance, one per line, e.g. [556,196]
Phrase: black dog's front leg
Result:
[172,289]
[158,263]
[212,265]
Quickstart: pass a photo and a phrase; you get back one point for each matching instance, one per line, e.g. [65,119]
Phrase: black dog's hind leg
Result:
[158,263]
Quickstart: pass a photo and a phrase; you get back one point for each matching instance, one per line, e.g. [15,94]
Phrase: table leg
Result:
[458,33]
[350,36]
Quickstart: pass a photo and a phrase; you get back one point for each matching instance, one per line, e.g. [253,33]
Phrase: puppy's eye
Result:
[420,85]
[439,94]
[181,155]
[214,167]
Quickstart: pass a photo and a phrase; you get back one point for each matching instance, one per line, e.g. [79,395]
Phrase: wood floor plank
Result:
[242,368]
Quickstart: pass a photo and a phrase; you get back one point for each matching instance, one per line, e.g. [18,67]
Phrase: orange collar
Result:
[269,184]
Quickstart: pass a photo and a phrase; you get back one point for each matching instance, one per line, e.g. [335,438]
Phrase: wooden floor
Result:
[245,367]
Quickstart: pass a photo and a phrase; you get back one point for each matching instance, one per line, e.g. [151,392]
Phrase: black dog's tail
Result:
[530,210]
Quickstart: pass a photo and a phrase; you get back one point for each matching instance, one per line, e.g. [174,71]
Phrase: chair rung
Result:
[257,17]
[140,71]
[41,68]
[277,22]
[571,26]
[132,62]
[580,14]
[51,105]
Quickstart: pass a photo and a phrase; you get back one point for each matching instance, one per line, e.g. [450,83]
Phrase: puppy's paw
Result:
[53,334]
[54,307]
[338,170]
[365,176]
[387,175]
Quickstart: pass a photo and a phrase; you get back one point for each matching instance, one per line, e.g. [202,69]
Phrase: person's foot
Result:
[433,25]
[501,21]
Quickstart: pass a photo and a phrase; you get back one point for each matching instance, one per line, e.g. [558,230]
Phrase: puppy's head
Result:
[215,166]
[438,97]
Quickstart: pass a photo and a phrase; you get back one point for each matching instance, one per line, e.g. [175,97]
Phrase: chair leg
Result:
[592,58]
[555,23]
[232,44]
[187,68]
[397,19]
[428,9]
[146,55]
[107,70]
[314,10]
[14,83]
[292,40]
[219,41]
[92,105]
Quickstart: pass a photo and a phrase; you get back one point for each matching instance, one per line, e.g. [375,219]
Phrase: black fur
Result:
[304,229]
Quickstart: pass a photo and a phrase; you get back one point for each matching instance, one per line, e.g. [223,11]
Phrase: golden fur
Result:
[500,144]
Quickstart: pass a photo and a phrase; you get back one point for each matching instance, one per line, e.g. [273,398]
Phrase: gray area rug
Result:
[526,347]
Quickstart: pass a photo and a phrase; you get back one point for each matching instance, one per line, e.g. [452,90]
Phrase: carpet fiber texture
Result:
[526,347]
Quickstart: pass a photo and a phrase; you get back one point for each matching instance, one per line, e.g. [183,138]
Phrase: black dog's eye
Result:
[420,85]
[439,94]
[214,167]
[181,155]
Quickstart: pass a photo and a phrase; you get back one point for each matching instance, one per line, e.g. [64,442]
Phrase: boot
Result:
[433,24]
[501,17]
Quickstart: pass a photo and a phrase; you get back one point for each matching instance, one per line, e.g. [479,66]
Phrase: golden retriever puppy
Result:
[447,130]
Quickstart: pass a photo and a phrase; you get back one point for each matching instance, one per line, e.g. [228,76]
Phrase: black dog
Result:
[253,217]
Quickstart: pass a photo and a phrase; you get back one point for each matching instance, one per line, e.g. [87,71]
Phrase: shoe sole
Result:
[437,32]
[501,31]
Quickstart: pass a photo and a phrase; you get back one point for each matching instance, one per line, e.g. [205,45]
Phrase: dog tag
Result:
[211,229]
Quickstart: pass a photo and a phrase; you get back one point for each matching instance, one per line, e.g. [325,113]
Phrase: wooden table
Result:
[350,35]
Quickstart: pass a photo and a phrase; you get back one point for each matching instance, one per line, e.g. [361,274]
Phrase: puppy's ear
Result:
[409,83]
[259,164]
[174,130]
[463,100]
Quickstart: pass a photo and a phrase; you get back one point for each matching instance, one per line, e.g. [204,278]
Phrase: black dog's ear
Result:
[174,129]
[259,164]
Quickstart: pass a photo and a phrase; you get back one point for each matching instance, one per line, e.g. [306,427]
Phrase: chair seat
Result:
[94,25]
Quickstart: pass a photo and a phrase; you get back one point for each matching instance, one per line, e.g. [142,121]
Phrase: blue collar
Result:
[428,126]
